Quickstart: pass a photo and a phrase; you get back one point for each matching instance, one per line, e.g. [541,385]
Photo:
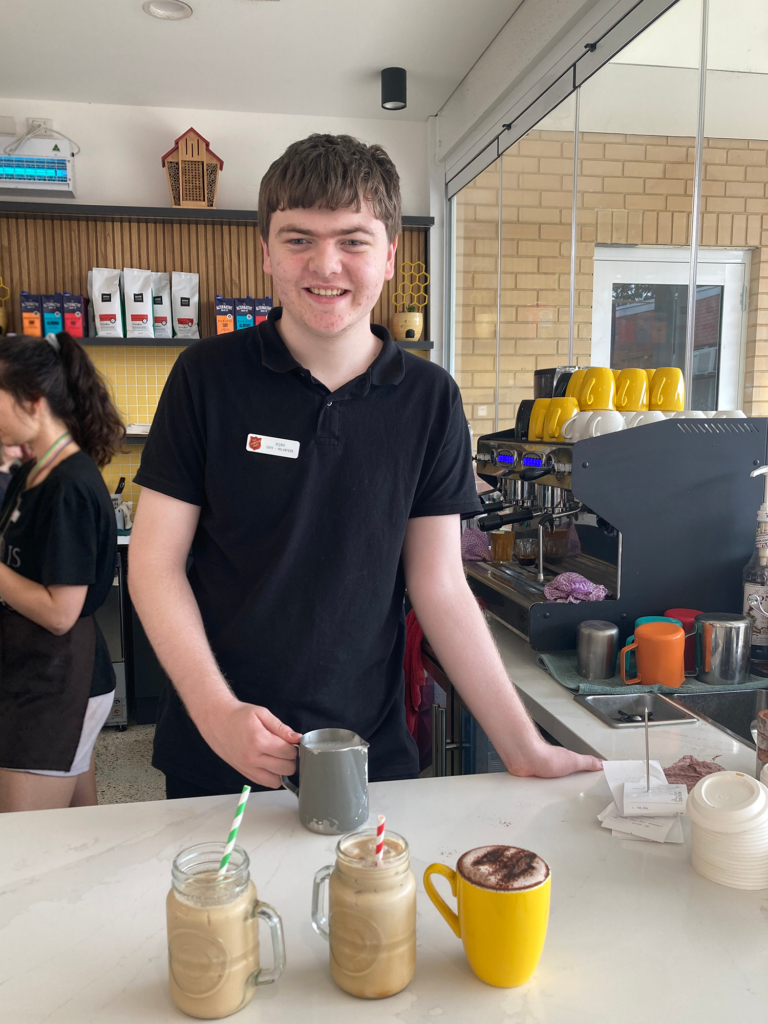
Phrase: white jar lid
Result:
[728,802]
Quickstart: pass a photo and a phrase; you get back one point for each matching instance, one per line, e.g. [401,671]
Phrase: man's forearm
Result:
[171,618]
[472,663]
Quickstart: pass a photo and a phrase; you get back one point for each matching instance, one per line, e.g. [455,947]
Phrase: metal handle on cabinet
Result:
[438,741]
[440,746]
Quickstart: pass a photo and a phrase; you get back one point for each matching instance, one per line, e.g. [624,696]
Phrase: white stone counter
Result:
[635,937]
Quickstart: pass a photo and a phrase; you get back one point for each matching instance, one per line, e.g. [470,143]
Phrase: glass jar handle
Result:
[320,918]
[271,916]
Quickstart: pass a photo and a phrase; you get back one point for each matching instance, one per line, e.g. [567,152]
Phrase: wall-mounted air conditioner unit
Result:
[39,167]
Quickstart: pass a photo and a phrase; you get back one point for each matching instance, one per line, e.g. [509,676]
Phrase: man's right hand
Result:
[253,741]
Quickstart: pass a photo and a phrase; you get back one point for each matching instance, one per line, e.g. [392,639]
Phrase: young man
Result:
[315,470]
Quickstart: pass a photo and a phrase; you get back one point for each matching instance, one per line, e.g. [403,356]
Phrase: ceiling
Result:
[268,56]
[737,38]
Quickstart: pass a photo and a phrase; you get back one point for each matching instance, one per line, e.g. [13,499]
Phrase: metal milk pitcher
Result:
[722,648]
[333,781]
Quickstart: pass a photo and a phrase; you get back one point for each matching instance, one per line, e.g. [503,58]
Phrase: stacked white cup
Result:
[729,830]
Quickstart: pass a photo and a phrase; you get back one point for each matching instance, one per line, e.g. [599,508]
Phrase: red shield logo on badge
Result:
[254,442]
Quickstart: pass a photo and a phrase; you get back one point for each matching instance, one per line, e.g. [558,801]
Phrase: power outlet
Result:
[44,123]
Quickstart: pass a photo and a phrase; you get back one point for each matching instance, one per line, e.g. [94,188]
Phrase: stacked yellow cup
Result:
[632,393]
[536,422]
[573,429]
[597,406]
[559,411]
[667,396]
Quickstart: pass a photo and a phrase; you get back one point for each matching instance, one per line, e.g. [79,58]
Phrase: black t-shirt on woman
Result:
[66,535]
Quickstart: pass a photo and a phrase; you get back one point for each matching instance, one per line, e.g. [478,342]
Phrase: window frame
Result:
[661,264]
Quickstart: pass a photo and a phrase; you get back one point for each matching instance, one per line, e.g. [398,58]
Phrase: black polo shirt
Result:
[304,496]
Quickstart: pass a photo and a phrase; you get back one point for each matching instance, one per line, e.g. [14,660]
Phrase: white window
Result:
[639,314]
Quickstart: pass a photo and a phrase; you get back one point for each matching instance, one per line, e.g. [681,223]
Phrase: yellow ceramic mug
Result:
[632,391]
[598,390]
[574,384]
[503,910]
[536,422]
[559,411]
[668,389]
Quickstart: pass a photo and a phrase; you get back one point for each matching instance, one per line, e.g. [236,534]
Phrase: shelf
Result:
[154,342]
[158,213]
[423,346]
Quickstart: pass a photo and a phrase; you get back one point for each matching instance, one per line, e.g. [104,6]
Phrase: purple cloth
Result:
[570,588]
[475,546]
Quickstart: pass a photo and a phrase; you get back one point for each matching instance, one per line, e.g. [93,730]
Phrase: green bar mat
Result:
[561,665]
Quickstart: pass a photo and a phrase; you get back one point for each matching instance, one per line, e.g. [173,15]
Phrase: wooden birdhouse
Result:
[192,169]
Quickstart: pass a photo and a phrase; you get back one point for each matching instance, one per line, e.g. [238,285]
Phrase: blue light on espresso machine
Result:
[506,459]
[533,460]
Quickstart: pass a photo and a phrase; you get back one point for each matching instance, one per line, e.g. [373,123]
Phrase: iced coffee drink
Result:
[371,920]
[213,934]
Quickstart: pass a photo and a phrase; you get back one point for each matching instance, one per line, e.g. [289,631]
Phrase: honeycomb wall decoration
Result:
[412,290]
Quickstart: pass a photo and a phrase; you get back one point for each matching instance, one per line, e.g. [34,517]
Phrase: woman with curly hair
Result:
[57,558]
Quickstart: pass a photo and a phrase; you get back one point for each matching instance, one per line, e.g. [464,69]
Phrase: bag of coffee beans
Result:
[74,315]
[31,315]
[185,291]
[244,313]
[107,307]
[262,309]
[139,310]
[225,315]
[91,320]
[53,314]
[161,303]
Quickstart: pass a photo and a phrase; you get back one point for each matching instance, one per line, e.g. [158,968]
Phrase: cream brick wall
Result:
[633,189]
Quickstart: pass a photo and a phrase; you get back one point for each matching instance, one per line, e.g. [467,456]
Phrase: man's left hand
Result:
[548,762]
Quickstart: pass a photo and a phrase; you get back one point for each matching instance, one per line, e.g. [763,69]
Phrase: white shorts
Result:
[96,715]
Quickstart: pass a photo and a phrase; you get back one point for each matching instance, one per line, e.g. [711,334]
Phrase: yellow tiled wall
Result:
[136,376]
[632,189]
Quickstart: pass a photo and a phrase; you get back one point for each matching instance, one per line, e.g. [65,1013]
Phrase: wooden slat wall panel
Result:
[42,255]
[412,248]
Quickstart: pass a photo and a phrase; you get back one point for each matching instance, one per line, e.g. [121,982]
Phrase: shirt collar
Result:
[387,368]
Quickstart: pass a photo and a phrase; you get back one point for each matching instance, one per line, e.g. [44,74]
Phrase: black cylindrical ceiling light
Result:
[393,89]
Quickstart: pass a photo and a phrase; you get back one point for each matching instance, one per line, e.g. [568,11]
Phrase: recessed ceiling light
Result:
[167,10]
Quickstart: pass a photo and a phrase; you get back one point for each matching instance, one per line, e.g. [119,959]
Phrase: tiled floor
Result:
[124,773]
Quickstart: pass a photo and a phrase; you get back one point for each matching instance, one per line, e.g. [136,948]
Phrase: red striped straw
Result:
[380,841]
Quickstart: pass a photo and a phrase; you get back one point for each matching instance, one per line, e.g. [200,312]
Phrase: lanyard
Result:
[56,448]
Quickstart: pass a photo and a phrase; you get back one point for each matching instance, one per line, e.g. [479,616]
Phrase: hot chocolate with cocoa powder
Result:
[503,868]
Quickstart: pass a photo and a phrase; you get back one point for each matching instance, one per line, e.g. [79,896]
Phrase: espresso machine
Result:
[660,515]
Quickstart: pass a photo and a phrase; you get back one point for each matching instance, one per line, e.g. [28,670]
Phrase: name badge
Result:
[263,445]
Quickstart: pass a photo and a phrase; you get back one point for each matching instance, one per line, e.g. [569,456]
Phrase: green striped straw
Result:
[233,831]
